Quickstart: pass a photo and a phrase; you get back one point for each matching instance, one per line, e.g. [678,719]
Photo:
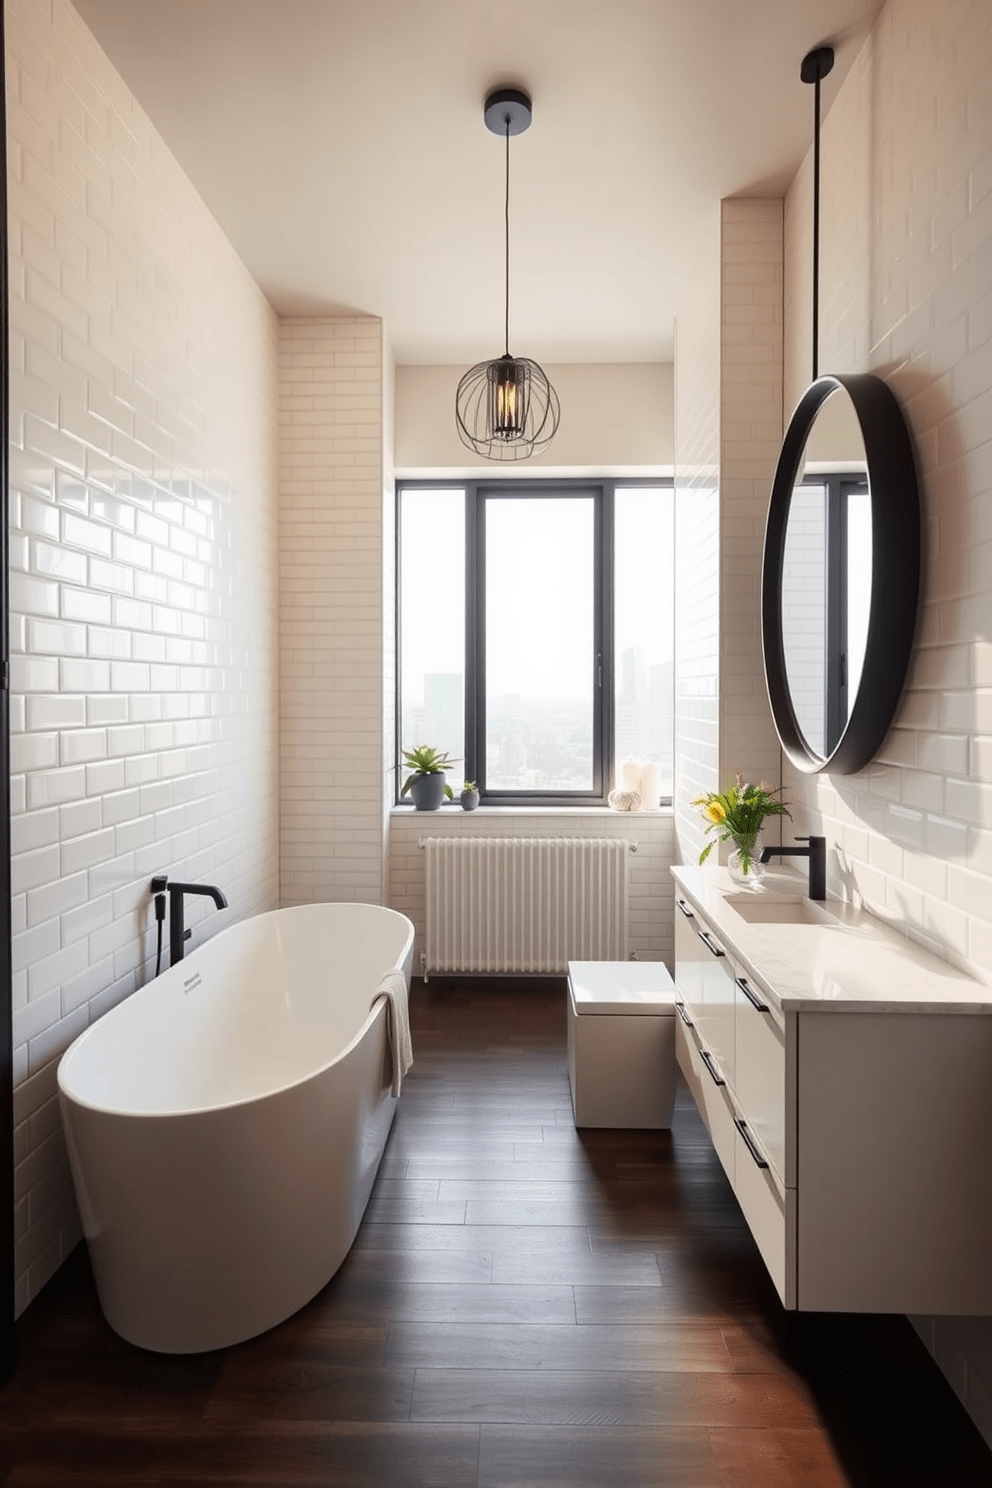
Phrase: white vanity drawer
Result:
[712,1099]
[715,1019]
[770,1211]
[689,953]
[765,1077]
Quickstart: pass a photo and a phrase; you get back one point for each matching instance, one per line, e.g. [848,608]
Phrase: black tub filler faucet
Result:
[177,892]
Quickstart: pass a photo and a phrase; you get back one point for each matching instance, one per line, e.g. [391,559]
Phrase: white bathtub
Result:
[225,1124]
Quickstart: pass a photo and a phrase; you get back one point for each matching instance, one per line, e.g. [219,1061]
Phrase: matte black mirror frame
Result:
[895,584]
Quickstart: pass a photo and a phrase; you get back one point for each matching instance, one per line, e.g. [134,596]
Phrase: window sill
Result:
[599,812]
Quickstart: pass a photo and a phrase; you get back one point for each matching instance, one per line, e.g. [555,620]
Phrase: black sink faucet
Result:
[816,851]
[176,892]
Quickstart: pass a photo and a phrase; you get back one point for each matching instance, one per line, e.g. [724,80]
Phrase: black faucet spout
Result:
[177,930]
[815,851]
[208,890]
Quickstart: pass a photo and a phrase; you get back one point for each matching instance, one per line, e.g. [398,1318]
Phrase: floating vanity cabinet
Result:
[845,1078]
[717,1007]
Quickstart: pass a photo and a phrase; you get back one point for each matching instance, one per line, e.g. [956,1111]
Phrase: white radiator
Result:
[524,904]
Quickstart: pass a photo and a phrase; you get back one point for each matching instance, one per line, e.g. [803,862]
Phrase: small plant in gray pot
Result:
[469,796]
[426,781]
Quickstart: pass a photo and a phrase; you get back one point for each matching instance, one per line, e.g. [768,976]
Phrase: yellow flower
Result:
[715,812]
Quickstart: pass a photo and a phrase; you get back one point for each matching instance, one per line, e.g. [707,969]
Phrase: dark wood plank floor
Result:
[524,1305]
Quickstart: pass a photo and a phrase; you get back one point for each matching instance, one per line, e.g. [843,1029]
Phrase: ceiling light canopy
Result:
[506,409]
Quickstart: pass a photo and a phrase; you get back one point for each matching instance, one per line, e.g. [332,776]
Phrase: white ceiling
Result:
[341,147]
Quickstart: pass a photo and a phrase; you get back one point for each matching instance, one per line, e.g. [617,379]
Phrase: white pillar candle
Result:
[630,773]
[650,786]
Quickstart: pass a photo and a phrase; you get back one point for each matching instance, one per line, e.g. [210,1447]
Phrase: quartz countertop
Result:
[847,960]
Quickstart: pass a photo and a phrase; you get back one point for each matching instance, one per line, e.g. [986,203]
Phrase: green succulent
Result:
[425,760]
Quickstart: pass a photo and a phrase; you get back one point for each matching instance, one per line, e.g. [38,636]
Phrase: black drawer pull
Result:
[685,909]
[711,944]
[680,1008]
[715,1075]
[751,995]
[749,1142]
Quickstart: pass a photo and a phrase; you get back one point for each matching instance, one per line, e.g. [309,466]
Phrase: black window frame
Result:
[478,490]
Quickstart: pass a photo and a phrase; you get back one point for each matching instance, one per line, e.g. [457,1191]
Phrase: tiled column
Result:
[697,537]
[750,436]
[331,610]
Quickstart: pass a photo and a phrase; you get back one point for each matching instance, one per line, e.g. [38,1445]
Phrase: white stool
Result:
[621,1043]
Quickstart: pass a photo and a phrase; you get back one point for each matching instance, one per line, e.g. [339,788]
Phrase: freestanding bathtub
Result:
[226,1122]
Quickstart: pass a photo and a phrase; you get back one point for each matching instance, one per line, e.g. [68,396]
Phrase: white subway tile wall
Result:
[332,606]
[905,291]
[144,539]
[905,149]
[652,904]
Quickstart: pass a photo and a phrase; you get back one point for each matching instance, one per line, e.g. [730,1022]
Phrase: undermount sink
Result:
[765,909]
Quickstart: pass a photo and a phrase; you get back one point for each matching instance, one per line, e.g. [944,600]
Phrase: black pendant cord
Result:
[816,229]
[506,221]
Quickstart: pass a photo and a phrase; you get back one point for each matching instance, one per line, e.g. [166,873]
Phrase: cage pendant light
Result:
[506,409]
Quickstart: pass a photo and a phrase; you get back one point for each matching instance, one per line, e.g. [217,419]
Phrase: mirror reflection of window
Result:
[826,597]
[826,578]
[859,560]
[804,610]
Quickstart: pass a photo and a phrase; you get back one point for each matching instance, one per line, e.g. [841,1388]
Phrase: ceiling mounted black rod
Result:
[506,224]
[815,67]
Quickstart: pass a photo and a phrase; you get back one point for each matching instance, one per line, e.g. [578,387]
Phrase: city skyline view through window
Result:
[540,665]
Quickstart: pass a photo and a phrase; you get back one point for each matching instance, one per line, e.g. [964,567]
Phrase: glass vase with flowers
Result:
[737,815]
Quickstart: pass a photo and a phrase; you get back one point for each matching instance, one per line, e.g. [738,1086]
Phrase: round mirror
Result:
[841,572]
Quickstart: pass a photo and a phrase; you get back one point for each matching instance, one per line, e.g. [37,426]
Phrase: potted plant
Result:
[469,796]
[426,782]
[738,815]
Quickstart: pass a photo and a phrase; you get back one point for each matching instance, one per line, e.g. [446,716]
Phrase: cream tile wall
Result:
[750,436]
[652,907]
[143,583]
[728,425]
[906,291]
[697,538]
[334,544]
[387,769]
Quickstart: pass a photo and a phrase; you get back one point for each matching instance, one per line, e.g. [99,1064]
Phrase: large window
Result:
[535,633]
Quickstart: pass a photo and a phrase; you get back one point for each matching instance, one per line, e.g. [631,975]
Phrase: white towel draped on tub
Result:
[394,989]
